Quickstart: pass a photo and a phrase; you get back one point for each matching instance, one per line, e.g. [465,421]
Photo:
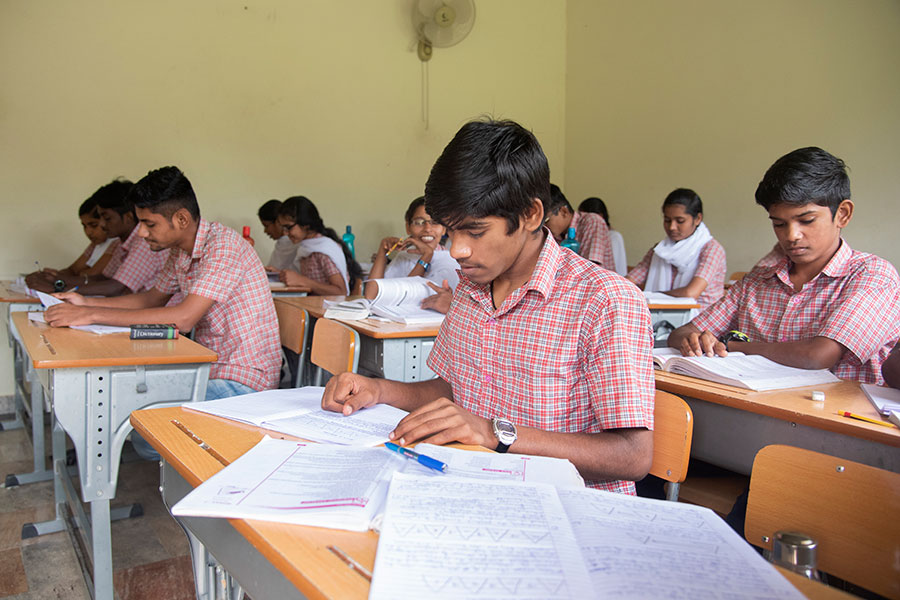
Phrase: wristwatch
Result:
[734,336]
[59,285]
[424,264]
[505,432]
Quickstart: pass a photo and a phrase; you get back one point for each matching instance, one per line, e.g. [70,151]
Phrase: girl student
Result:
[598,206]
[688,262]
[420,254]
[323,262]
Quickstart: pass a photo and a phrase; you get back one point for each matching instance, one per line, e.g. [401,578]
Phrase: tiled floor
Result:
[150,553]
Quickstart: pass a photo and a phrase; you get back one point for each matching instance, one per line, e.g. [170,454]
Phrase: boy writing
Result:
[822,305]
[542,352]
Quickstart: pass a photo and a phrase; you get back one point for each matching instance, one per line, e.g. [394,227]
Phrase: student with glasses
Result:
[419,254]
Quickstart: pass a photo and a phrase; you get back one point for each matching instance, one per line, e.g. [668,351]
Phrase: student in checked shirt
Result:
[226,299]
[542,352]
[591,229]
[822,305]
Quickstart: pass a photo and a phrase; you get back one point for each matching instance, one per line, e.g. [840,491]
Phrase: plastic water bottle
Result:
[570,242]
[246,235]
[349,238]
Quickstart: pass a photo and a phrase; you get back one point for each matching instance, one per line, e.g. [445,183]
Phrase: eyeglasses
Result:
[288,227]
[419,222]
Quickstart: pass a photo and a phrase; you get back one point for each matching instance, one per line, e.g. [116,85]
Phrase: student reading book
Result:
[285,250]
[598,206]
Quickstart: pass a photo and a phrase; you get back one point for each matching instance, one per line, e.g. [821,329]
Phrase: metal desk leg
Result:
[39,471]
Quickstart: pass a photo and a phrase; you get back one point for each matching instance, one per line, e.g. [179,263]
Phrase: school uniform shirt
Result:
[95,252]
[569,351]
[241,326]
[711,266]
[854,301]
[283,254]
[443,266]
[592,233]
[134,264]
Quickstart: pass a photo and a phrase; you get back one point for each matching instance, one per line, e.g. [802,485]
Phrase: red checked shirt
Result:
[592,233]
[241,325]
[134,264]
[569,351]
[710,266]
[854,301]
[318,267]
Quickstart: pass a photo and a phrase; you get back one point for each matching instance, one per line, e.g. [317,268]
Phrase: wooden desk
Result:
[271,560]
[93,383]
[282,291]
[732,425]
[390,350]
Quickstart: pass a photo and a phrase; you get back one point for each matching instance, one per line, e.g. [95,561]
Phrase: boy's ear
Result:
[181,218]
[843,214]
[534,217]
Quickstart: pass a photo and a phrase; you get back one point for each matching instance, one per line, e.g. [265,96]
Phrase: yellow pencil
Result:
[845,413]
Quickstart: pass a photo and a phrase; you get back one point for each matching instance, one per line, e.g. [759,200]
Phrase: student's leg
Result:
[215,389]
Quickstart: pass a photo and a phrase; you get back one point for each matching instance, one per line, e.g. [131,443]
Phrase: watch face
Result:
[506,427]
[505,431]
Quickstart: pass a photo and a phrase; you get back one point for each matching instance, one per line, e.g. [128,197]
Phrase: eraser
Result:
[818,396]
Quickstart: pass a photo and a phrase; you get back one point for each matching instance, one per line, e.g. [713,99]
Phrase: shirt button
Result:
[487,378]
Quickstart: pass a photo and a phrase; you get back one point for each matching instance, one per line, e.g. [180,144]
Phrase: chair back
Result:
[335,347]
[293,322]
[852,510]
[673,429]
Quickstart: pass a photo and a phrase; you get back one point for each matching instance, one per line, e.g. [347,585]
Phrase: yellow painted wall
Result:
[254,100]
[707,94]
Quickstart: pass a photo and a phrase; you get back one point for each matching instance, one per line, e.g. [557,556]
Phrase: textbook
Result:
[399,299]
[884,399]
[299,412]
[47,301]
[748,371]
[344,487]
[491,539]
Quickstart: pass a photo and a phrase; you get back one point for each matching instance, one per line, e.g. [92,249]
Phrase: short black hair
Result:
[806,175]
[687,198]
[489,169]
[113,195]
[557,200]
[413,207]
[269,211]
[595,205]
[164,191]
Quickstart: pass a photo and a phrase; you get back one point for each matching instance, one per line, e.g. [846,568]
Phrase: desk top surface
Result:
[7,295]
[298,551]
[288,289]
[373,328]
[61,347]
[664,306]
[795,405]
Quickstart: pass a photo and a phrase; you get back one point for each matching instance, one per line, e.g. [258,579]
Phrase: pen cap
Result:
[795,551]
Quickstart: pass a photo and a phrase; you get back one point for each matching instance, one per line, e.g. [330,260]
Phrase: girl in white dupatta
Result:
[323,262]
[688,262]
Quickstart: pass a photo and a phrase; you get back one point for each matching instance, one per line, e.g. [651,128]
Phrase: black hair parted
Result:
[687,198]
[597,206]
[164,191]
[806,175]
[413,207]
[489,169]
[269,211]
[557,200]
[113,195]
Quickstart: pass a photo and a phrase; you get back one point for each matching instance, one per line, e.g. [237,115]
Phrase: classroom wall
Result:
[707,94]
[254,100]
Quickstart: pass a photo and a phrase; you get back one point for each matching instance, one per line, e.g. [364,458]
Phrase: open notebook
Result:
[399,299]
[748,371]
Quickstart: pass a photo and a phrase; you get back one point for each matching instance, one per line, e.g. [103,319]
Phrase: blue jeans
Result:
[215,389]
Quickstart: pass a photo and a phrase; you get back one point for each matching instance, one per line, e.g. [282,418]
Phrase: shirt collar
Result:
[838,266]
[200,239]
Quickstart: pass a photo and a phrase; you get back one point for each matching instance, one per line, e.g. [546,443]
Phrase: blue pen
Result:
[427,461]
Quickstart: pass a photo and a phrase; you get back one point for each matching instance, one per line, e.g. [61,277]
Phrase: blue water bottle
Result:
[570,242]
[349,238]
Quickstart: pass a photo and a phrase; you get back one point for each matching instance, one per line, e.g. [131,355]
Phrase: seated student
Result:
[890,368]
[94,258]
[542,351]
[285,250]
[688,262]
[424,256]
[823,305]
[323,262]
[226,299]
[597,206]
[590,229]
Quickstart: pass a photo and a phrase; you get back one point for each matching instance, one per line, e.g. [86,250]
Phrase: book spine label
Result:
[167,333]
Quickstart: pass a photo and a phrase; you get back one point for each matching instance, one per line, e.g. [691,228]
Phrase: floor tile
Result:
[172,579]
[13,580]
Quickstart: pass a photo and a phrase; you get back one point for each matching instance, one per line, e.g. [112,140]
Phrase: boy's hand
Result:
[64,315]
[348,392]
[72,298]
[440,301]
[702,344]
[441,422]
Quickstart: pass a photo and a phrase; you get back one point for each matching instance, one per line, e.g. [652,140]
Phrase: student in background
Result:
[542,352]
[597,206]
[285,250]
[323,262]
[590,229]
[420,254]
[94,258]
[688,262]
[823,305]
[226,299]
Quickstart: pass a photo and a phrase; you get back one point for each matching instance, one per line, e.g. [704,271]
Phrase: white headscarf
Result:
[683,255]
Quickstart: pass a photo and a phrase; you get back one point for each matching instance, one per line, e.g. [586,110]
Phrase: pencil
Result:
[397,243]
[846,413]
